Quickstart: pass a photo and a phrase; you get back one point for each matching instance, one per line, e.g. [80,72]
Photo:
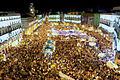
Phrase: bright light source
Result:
[83,26]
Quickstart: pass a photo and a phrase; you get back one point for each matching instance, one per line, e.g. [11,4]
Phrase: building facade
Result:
[10,30]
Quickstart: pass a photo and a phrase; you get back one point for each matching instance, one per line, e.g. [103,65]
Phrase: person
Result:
[28,61]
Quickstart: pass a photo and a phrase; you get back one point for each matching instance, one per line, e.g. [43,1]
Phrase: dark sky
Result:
[45,5]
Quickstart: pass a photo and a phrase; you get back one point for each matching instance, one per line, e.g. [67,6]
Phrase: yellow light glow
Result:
[83,26]
[28,32]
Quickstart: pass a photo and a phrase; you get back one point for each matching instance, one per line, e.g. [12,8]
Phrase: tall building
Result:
[10,29]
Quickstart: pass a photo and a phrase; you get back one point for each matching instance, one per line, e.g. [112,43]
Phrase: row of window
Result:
[106,22]
[54,20]
[5,18]
[16,37]
[10,35]
[73,21]
[4,38]
[8,29]
[72,16]
[54,16]
[9,23]
[15,32]
[110,17]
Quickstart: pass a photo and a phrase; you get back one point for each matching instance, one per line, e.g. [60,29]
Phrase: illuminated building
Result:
[30,24]
[10,29]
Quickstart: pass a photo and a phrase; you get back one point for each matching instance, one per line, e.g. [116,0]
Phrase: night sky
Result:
[22,6]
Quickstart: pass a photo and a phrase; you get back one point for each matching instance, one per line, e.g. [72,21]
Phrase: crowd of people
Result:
[83,63]
[28,62]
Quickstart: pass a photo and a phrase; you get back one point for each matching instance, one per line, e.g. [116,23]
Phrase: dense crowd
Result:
[28,62]
[83,63]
